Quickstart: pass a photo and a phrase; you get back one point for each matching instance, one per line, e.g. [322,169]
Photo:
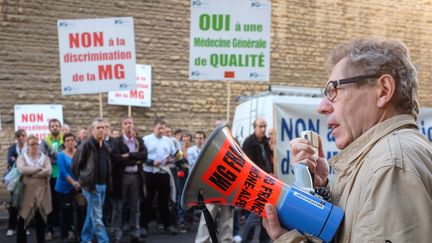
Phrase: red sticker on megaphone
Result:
[231,171]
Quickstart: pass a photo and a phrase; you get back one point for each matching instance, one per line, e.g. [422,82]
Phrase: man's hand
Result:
[126,155]
[272,224]
[156,163]
[304,153]
[76,185]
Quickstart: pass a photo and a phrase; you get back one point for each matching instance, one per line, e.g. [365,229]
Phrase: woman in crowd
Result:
[35,168]
[66,186]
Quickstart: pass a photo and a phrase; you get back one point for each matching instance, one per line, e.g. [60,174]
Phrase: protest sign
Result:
[96,55]
[34,118]
[230,40]
[137,97]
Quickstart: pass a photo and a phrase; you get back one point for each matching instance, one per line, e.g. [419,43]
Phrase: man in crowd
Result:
[257,148]
[65,128]
[178,133]
[83,136]
[194,151]
[168,132]
[92,165]
[383,174]
[128,154]
[51,146]
[157,173]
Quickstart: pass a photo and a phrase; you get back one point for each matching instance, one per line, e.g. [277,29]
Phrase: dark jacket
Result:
[252,149]
[119,163]
[84,164]
[12,155]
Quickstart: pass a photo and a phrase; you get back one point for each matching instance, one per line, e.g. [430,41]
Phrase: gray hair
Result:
[371,55]
[254,124]
[96,121]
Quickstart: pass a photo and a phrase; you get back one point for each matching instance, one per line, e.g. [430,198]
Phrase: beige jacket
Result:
[37,192]
[384,185]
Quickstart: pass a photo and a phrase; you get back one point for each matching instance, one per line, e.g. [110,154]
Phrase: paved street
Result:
[155,236]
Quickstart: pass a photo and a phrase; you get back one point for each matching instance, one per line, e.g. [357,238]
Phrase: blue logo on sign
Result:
[255,4]
[196,3]
[196,73]
[123,85]
[118,21]
[67,89]
[63,24]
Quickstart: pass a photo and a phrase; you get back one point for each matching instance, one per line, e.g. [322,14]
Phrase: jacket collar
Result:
[345,160]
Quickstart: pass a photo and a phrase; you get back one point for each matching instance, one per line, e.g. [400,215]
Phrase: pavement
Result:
[155,235]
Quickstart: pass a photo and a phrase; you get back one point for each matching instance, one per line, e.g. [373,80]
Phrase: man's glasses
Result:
[332,87]
[33,144]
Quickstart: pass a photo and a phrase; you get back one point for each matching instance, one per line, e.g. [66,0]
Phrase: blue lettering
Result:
[427,131]
[313,127]
[430,133]
[331,154]
[285,129]
[422,127]
[285,164]
[299,123]
[299,126]
[330,137]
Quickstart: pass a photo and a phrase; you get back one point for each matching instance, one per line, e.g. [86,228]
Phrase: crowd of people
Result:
[100,180]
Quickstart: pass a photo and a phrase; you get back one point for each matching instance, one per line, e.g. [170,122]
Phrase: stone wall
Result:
[302,33]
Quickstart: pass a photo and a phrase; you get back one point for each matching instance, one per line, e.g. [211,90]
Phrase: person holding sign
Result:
[371,105]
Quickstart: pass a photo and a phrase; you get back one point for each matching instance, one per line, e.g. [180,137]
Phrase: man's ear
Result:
[386,90]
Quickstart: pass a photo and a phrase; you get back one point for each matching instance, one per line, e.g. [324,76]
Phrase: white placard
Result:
[34,118]
[137,97]
[96,55]
[230,40]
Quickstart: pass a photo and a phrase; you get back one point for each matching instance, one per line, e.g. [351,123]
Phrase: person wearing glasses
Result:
[35,168]
[14,151]
[383,173]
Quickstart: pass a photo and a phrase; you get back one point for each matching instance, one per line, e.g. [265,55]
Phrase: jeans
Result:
[93,224]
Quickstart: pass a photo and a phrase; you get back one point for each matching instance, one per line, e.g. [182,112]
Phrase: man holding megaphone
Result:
[383,175]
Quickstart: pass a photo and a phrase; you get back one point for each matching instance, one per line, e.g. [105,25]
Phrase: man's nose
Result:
[325,106]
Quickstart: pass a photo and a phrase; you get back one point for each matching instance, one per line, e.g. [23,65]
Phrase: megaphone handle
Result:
[207,216]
